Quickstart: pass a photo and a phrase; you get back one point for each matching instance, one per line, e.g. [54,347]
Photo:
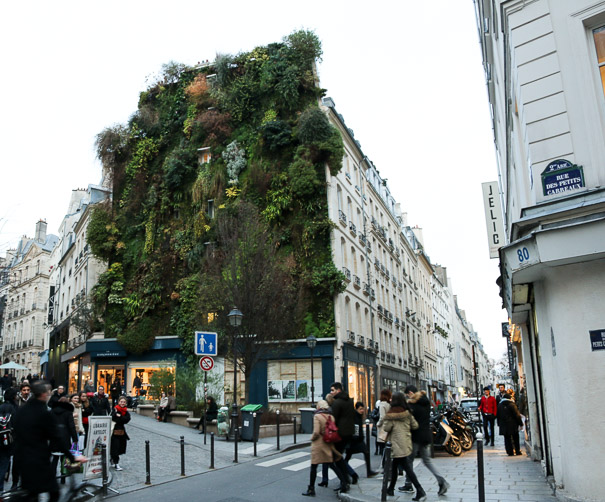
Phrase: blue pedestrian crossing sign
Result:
[205,343]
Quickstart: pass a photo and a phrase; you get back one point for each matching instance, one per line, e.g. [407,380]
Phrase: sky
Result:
[406,76]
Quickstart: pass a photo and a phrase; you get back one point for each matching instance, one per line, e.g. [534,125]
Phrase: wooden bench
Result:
[211,427]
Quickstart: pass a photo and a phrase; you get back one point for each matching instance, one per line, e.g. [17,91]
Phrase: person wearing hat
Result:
[324,453]
[489,409]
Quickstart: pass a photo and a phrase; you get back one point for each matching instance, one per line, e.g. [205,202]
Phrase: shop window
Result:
[138,377]
[291,381]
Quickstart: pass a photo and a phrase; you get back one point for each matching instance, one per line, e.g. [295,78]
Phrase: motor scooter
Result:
[444,437]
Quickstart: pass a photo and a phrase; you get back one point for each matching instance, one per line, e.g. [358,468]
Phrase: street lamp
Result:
[235,319]
[311,343]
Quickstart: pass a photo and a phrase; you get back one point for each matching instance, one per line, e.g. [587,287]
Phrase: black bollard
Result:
[212,450]
[254,438]
[480,474]
[386,478]
[368,436]
[235,441]
[104,473]
[147,464]
[205,430]
[182,455]
[294,420]
[367,451]
[277,415]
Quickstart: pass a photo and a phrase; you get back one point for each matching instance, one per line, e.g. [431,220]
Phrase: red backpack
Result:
[331,432]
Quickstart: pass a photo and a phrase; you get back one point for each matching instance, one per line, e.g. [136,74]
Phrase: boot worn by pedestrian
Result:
[443,486]
[310,492]
[354,479]
[420,496]
[391,493]
[323,484]
[373,473]
[406,489]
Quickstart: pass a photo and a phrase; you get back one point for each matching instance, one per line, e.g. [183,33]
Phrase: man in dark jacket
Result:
[420,406]
[34,428]
[100,403]
[343,411]
[509,421]
[8,411]
[56,395]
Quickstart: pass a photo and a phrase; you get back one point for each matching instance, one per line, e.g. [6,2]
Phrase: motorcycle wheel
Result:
[453,447]
[466,440]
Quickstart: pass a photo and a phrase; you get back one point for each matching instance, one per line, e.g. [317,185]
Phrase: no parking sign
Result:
[206,363]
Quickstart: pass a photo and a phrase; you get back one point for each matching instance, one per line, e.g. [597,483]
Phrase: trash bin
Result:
[222,425]
[249,428]
[306,420]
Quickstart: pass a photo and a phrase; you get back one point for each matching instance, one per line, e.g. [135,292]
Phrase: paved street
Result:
[275,474]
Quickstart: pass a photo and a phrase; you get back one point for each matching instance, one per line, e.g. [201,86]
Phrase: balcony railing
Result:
[356,282]
[342,217]
[347,273]
[352,228]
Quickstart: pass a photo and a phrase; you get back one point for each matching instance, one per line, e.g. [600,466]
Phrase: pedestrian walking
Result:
[509,421]
[344,413]
[8,410]
[324,453]
[74,399]
[86,412]
[383,406]
[420,407]
[398,424]
[358,444]
[119,438]
[489,410]
[67,435]
[24,394]
[115,391]
[501,393]
[35,427]
[56,395]
[100,403]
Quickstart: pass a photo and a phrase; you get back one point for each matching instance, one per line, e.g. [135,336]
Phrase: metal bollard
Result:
[480,473]
[235,441]
[367,452]
[182,455]
[212,450]
[368,436]
[386,478]
[205,429]
[254,438]
[104,472]
[277,414]
[294,420]
[147,464]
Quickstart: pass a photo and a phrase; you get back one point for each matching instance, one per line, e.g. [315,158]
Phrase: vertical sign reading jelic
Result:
[99,434]
[493,217]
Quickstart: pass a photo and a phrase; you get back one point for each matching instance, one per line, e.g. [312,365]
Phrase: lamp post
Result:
[235,319]
[311,343]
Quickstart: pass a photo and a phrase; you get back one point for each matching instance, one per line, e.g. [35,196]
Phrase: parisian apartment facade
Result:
[544,64]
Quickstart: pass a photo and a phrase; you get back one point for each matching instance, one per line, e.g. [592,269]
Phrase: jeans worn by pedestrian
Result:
[488,428]
[4,464]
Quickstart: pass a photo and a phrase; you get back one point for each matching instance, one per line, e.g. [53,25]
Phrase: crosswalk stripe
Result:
[286,458]
[259,447]
[298,467]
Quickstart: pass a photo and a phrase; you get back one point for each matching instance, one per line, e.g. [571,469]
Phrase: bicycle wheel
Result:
[16,495]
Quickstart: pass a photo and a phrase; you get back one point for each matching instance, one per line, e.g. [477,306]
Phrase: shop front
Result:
[105,362]
[394,380]
[360,372]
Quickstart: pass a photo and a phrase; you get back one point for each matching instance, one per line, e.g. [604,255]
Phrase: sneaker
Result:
[406,489]
[420,496]
[443,486]
[117,467]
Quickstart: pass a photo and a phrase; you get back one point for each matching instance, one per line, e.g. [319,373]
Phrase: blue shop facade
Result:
[104,361]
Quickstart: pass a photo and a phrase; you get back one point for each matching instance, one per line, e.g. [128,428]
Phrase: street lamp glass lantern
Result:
[311,342]
[235,317]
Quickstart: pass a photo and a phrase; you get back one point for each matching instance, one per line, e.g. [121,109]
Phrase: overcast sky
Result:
[406,76]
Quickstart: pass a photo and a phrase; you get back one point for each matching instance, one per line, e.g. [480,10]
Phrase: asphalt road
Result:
[276,478]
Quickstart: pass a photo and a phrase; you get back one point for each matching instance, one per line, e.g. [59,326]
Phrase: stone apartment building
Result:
[544,64]
[26,285]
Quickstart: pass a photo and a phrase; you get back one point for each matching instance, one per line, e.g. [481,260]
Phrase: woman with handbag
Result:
[399,424]
[383,408]
[324,453]
[120,416]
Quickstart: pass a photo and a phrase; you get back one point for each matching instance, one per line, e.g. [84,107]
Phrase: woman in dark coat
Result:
[509,421]
[120,416]
[63,413]
[357,444]
[210,415]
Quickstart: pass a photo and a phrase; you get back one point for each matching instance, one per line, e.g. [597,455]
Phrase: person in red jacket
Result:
[489,409]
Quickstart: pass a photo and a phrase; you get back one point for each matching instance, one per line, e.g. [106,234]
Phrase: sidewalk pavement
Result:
[165,452]
[506,479]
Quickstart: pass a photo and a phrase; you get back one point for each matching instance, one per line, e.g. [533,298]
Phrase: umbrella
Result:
[12,366]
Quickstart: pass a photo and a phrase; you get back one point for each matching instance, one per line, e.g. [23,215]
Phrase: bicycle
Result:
[83,491]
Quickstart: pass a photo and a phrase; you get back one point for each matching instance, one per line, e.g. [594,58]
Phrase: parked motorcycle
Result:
[461,428]
[443,436]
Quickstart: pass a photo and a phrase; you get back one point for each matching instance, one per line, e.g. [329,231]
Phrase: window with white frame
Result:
[599,41]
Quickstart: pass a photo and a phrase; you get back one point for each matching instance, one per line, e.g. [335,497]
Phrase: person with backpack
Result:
[324,453]
[7,413]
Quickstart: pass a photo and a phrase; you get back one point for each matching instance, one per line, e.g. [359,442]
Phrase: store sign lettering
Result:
[597,339]
[109,354]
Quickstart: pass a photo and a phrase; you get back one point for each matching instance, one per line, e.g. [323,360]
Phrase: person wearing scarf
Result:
[120,416]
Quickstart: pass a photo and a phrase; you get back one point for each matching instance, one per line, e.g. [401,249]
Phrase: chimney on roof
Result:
[41,232]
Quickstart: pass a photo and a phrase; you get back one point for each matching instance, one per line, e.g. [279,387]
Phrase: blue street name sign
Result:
[205,343]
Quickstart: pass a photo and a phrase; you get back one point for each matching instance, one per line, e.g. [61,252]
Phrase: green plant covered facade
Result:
[257,116]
